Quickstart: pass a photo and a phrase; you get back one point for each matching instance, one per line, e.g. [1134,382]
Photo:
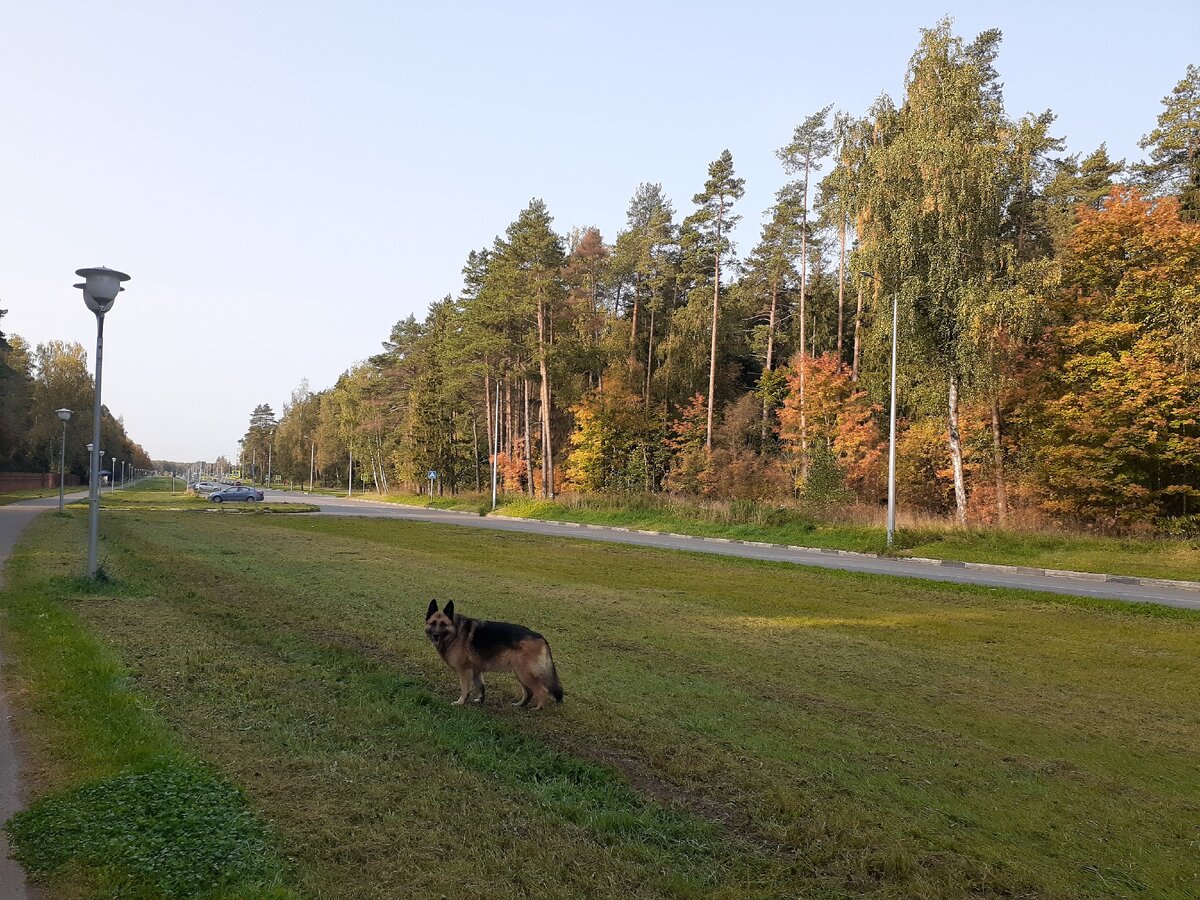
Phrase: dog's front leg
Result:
[464,687]
[480,687]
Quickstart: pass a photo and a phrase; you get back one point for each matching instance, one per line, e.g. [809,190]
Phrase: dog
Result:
[474,646]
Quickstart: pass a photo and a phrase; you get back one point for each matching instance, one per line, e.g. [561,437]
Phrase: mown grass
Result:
[8,497]
[1150,558]
[122,808]
[155,493]
[465,502]
[731,728]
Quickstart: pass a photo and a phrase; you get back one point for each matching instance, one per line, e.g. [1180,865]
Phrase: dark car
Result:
[238,492]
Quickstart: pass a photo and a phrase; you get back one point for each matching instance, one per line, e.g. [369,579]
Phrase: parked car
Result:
[247,494]
[203,487]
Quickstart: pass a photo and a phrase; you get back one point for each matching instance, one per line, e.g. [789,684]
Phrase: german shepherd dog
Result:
[474,646]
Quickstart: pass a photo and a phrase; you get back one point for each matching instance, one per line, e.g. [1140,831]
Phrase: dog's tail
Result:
[551,676]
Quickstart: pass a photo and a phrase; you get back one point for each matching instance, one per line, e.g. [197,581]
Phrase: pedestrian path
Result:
[13,886]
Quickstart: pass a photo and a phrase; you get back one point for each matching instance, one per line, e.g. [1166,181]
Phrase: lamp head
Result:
[89,447]
[64,414]
[100,287]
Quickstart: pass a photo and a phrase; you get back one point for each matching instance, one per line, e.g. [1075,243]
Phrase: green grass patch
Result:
[122,810]
[157,499]
[173,829]
[465,502]
[1151,558]
[731,728]
[17,496]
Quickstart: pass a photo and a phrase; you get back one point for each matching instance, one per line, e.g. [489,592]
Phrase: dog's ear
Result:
[449,610]
[432,609]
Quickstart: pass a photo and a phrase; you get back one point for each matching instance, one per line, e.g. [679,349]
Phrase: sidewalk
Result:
[13,519]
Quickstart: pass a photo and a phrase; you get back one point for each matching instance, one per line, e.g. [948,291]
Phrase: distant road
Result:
[1127,590]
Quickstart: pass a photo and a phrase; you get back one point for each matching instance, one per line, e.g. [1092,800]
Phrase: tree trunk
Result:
[487,405]
[547,443]
[712,358]
[841,287]
[770,353]
[633,322]
[649,360]
[857,329]
[803,325]
[803,425]
[508,417]
[804,265]
[998,464]
[475,441]
[956,460]
[528,445]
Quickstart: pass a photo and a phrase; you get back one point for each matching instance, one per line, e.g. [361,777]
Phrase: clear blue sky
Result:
[302,175]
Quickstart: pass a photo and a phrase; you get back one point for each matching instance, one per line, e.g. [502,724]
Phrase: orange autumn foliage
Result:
[838,419]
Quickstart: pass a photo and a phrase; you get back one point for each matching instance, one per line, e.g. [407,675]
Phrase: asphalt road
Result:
[1083,585]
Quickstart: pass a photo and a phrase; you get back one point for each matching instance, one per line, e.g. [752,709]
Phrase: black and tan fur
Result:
[474,646]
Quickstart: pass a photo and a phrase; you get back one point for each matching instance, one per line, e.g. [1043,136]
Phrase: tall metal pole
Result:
[62,467]
[94,492]
[496,444]
[891,513]
[312,465]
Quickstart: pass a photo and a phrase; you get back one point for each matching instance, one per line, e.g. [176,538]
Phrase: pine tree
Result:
[1174,165]
[1073,185]
[526,274]
[713,220]
[771,269]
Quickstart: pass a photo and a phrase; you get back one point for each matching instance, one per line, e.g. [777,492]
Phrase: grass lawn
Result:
[731,728]
[156,494]
[1154,558]
[17,496]
[467,502]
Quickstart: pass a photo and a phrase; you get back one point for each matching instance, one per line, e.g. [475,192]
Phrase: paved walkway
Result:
[13,886]
[1184,595]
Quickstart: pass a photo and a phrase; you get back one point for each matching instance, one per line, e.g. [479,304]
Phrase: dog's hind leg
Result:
[542,693]
[480,687]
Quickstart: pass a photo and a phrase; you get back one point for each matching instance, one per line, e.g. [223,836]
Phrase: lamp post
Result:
[891,513]
[270,451]
[65,415]
[100,288]
[112,481]
[312,464]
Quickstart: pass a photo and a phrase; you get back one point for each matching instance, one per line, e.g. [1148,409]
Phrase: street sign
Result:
[432,475]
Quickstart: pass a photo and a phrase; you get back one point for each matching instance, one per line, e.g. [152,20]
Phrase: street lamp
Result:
[891,513]
[312,460]
[65,415]
[112,482]
[100,288]
[270,450]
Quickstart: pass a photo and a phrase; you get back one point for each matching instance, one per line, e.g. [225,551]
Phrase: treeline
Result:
[36,382]
[1048,309]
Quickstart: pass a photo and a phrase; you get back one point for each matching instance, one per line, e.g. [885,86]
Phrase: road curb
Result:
[1066,574]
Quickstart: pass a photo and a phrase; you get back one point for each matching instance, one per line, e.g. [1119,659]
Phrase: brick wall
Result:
[33,481]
